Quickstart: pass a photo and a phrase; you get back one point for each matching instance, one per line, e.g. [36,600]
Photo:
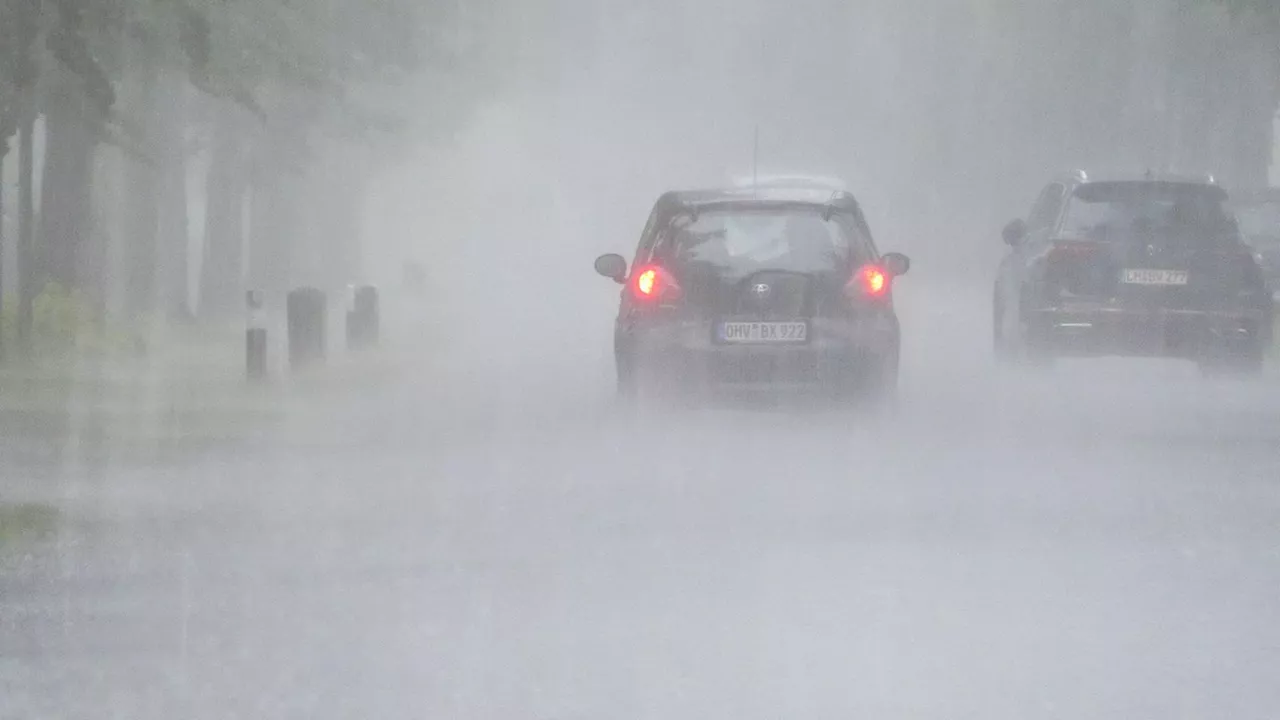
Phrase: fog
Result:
[467,522]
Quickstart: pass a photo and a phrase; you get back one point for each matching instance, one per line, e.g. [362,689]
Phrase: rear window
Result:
[737,243]
[1164,213]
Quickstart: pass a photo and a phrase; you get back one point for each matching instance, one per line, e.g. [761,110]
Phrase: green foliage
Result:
[65,322]
[1261,15]
[1262,7]
[29,521]
[243,51]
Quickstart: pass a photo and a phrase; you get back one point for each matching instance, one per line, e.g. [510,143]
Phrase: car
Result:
[775,288]
[789,180]
[1141,266]
[1258,215]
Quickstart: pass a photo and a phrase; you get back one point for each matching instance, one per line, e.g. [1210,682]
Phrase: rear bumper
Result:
[837,354]
[1156,332]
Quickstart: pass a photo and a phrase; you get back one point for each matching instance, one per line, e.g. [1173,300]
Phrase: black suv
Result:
[767,287]
[1136,267]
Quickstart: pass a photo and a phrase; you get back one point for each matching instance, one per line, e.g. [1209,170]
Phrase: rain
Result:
[309,404]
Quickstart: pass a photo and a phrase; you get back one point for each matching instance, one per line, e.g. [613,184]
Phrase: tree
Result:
[296,68]
[1257,78]
[8,121]
[277,93]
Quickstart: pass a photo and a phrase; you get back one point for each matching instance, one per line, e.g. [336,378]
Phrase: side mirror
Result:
[896,263]
[1015,232]
[612,266]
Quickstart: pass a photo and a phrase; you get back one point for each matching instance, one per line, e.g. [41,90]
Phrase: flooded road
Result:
[1100,540]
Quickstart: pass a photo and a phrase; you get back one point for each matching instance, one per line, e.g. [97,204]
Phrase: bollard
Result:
[363,324]
[255,337]
[306,311]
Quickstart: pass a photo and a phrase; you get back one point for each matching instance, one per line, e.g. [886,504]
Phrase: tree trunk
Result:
[4,153]
[1250,139]
[272,227]
[1197,90]
[221,284]
[27,271]
[143,199]
[168,261]
[65,208]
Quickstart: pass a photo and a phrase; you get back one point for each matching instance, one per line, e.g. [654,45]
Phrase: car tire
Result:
[1244,363]
[878,384]
[638,386]
[1000,345]
[626,381]
[1019,348]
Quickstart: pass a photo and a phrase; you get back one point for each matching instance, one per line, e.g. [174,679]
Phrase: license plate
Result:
[1155,277]
[764,332]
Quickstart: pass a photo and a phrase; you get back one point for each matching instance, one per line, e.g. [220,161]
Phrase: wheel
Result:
[1015,341]
[1245,362]
[999,340]
[877,382]
[639,385]
[626,380]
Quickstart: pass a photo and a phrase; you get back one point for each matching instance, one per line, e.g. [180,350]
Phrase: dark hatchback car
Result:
[1143,267]
[765,288]
[1258,214]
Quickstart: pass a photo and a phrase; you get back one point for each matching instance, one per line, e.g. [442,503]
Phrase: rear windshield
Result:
[1149,212]
[1260,221]
[737,243]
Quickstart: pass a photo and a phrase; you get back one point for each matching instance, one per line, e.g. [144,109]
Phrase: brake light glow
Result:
[875,280]
[647,281]
[655,283]
[869,281]
[1073,249]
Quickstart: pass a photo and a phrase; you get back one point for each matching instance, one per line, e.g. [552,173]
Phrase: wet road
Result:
[494,540]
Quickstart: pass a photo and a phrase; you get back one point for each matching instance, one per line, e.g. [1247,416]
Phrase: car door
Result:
[1018,268]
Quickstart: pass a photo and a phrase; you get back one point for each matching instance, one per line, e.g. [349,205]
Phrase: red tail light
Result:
[1078,268]
[870,281]
[1063,251]
[653,283]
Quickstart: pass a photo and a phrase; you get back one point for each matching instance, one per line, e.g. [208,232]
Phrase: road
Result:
[494,540]
[491,538]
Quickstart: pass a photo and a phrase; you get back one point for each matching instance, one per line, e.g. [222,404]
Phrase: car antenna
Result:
[755,160]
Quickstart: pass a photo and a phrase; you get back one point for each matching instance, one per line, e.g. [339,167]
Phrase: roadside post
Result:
[363,322]
[306,321]
[255,336]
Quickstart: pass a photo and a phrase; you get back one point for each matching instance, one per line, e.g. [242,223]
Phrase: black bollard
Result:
[255,337]
[363,323]
[306,309]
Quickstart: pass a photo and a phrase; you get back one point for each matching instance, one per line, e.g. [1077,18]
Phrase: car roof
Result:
[695,200]
[790,180]
[1080,177]
[1211,189]
[1254,196]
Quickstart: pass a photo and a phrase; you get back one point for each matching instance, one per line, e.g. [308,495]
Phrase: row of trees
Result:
[1190,86]
[165,153]
[947,116]
[167,150]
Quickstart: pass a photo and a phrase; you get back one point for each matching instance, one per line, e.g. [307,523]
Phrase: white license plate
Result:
[764,332]
[1155,277]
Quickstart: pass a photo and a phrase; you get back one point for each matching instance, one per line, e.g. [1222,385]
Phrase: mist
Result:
[466,519]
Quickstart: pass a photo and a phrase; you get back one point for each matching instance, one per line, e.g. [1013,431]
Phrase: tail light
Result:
[869,281]
[1068,251]
[653,283]
[1078,268]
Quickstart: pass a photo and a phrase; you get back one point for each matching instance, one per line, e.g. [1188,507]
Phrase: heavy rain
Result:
[312,405]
